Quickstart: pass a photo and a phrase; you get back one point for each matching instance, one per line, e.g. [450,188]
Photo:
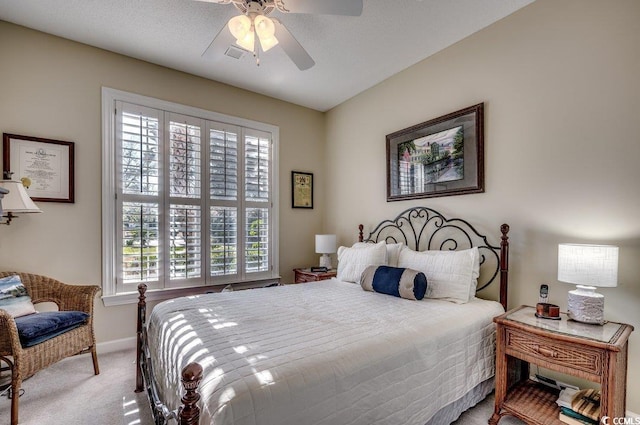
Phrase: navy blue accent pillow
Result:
[39,327]
[396,281]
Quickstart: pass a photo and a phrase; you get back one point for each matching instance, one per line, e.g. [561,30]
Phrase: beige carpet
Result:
[68,393]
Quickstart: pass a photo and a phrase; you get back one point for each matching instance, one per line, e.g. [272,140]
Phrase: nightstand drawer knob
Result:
[546,352]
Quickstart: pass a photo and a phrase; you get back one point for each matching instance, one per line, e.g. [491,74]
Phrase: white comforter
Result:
[322,353]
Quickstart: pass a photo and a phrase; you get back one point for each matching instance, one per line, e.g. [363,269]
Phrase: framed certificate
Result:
[45,166]
[301,190]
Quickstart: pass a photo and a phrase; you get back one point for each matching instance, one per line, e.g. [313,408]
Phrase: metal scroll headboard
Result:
[422,228]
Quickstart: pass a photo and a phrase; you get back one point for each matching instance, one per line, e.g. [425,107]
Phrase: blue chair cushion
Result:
[39,327]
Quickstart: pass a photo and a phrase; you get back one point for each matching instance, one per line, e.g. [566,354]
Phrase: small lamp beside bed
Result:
[587,266]
[325,245]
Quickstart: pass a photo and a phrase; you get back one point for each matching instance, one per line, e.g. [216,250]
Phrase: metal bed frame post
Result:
[191,375]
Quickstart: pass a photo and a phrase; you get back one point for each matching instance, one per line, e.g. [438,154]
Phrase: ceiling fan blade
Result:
[321,7]
[292,48]
[219,44]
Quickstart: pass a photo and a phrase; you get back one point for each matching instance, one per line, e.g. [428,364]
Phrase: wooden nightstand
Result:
[306,275]
[592,352]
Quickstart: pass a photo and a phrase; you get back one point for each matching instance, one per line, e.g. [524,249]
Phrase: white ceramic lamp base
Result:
[586,305]
[325,261]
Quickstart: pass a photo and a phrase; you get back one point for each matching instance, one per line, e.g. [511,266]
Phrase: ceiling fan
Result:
[254,31]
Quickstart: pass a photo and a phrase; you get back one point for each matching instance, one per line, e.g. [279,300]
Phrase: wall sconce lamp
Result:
[3,192]
[587,266]
[325,245]
[15,200]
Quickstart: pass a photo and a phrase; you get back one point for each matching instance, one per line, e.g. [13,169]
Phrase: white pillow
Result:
[393,251]
[352,261]
[451,275]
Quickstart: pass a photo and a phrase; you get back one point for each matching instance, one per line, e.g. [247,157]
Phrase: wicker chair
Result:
[24,362]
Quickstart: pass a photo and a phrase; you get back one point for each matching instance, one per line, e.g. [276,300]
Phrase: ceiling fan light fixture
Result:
[247,42]
[266,30]
[267,43]
[240,26]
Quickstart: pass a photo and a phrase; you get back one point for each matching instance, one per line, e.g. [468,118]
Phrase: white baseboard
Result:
[116,345]
[110,347]
[633,415]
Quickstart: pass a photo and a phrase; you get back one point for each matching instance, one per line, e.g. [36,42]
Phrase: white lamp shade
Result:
[239,26]
[3,192]
[17,200]
[325,244]
[591,265]
[266,30]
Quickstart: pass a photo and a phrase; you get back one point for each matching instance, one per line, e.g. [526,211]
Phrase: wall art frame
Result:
[440,157]
[46,166]
[301,190]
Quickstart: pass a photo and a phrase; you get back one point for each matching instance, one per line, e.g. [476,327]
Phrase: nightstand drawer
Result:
[554,352]
[306,275]
[302,277]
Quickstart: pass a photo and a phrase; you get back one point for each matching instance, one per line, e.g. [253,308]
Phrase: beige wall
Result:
[559,80]
[50,87]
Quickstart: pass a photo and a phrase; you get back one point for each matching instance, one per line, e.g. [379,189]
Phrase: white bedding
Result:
[322,353]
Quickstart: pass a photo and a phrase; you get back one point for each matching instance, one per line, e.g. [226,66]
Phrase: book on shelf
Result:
[571,421]
[566,397]
[582,419]
[580,404]
[587,402]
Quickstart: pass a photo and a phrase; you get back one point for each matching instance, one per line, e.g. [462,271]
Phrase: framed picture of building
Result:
[440,157]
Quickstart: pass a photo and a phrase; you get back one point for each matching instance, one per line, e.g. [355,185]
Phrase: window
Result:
[188,197]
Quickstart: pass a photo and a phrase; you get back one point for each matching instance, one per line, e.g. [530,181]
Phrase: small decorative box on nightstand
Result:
[306,275]
[592,352]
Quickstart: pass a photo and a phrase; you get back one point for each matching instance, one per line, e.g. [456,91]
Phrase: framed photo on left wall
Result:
[301,190]
[44,165]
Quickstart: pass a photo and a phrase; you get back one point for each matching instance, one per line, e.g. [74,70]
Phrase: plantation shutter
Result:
[187,199]
[257,198]
[138,163]
[186,220]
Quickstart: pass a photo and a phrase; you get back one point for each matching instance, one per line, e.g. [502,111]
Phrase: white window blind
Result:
[189,196]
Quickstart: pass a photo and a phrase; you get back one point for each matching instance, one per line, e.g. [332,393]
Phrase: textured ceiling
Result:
[352,54]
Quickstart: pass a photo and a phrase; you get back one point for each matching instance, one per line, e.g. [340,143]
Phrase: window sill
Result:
[165,294]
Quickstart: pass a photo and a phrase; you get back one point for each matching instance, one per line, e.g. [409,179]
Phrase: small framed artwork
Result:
[44,165]
[440,157]
[301,190]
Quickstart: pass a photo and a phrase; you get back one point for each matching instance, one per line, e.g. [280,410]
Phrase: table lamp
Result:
[587,266]
[325,245]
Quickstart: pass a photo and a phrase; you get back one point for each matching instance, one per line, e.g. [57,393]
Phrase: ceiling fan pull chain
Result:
[256,50]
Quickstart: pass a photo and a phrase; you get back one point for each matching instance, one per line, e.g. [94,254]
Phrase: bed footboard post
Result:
[504,264]
[190,412]
[360,234]
[142,314]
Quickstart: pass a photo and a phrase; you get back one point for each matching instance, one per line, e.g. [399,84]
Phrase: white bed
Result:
[323,353]
[375,359]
